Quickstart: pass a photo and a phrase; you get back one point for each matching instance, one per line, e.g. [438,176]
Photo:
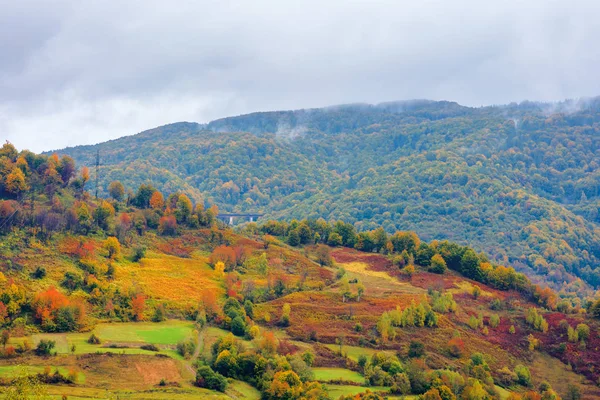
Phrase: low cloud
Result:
[84,72]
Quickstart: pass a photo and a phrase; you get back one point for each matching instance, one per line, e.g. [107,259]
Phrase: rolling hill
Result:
[156,298]
[520,182]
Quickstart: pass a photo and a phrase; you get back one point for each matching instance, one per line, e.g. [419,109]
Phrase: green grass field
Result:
[80,393]
[330,374]
[354,352]
[242,390]
[336,391]
[9,371]
[134,334]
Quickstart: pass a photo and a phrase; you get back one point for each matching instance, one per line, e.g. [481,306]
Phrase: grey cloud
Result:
[83,72]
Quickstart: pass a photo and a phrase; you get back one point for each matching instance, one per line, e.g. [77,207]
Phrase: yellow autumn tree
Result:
[15,182]
[113,247]
[220,269]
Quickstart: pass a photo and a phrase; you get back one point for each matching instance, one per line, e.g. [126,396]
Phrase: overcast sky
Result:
[80,72]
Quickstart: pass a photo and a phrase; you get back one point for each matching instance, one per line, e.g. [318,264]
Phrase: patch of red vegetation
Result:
[250,243]
[377,262]
[176,247]
[426,280]
[324,315]
[584,360]
[325,357]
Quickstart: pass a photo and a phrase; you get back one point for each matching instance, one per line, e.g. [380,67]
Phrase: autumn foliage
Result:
[225,254]
[138,305]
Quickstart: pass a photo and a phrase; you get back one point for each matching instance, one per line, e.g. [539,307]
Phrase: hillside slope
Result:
[521,182]
[267,311]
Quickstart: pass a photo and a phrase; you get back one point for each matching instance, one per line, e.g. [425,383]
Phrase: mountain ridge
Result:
[520,176]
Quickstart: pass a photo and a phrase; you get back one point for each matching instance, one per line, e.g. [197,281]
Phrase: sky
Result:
[83,72]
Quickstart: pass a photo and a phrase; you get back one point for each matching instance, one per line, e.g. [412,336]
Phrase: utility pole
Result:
[97,170]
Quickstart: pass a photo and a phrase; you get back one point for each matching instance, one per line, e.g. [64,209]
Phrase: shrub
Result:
[583,332]
[473,322]
[186,349]
[443,303]
[362,360]
[139,252]
[113,247]
[505,377]
[536,320]
[438,265]
[334,239]
[238,326]
[308,357]
[93,339]
[285,315]
[209,379]
[496,305]
[167,225]
[416,349]
[44,347]
[456,347]
[494,321]
[149,347]
[409,270]
[39,273]
[159,314]
[523,375]
[400,384]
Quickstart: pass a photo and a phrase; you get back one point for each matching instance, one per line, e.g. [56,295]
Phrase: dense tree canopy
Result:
[520,182]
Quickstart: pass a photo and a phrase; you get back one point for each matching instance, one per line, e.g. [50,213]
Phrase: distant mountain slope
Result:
[524,179]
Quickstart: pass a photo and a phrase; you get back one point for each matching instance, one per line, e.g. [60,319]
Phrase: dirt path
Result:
[199,345]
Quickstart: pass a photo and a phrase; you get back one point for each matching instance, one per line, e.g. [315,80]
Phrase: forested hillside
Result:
[150,296]
[520,182]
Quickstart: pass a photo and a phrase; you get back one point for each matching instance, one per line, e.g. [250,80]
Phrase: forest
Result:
[520,182]
[146,292]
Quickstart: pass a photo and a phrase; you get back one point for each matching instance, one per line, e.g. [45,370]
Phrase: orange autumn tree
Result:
[209,304]
[138,305]
[225,254]
[157,201]
[46,303]
[81,248]
[55,312]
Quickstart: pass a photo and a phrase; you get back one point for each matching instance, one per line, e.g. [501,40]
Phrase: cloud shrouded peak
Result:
[84,72]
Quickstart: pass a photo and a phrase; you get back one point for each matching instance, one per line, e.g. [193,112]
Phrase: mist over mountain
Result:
[518,181]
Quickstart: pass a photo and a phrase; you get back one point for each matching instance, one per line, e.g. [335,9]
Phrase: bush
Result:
[494,321]
[523,375]
[186,349]
[209,379]
[401,384]
[39,273]
[93,339]
[583,332]
[149,347]
[139,252]
[496,305]
[159,314]
[416,349]
[362,360]
[438,265]
[112,246]
[456,347]
[44,347]
[238,326]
